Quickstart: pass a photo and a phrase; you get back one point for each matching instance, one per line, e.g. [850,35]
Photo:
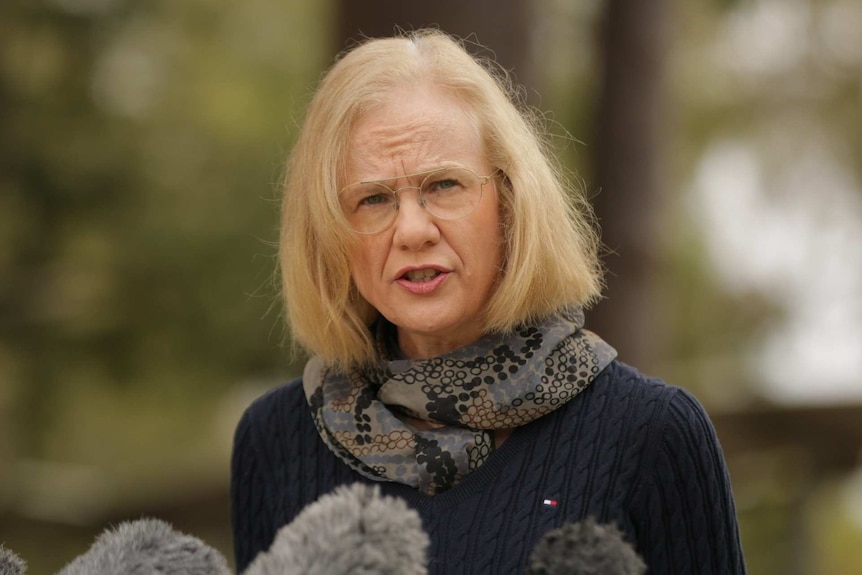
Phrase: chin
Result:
[430,323]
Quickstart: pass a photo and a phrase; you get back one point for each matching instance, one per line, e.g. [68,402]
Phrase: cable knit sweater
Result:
[628,450]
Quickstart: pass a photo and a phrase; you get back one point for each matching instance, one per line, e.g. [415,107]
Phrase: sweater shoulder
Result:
[673,413]
[286,398]
[682,505]
[279,419]
[266,419]
[619,379]
[621,385]
[278,465]
[659,417]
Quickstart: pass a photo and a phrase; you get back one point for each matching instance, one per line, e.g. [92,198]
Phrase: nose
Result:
[415,227]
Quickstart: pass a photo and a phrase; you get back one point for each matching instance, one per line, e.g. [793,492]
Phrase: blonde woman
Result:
[435,266]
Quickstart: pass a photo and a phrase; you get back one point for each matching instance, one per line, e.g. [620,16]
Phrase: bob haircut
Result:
[550,259]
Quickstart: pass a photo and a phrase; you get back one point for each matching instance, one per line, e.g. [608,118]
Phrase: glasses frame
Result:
[427,174]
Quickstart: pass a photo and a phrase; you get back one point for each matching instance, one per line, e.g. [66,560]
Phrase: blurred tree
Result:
[629,174]
[141,145]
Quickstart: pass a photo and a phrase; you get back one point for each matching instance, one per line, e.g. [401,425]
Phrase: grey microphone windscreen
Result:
[585,548]
[147,547]
[11,564]
[352,531]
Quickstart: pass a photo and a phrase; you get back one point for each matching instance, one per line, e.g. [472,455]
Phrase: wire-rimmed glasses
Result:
[449,193]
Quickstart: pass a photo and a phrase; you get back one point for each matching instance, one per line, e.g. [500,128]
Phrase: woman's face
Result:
[432,278]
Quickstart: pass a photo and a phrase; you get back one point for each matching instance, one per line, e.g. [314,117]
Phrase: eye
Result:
[375,200]
[443,184]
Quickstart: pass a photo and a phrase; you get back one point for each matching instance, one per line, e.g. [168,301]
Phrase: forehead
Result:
[414,129]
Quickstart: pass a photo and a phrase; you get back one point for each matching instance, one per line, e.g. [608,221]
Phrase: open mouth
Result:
[421,276]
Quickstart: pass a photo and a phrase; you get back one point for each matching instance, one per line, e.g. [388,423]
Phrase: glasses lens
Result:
[369,208]
[448,194]
[451,193]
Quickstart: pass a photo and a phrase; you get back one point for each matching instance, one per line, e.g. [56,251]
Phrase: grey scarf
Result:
[501,381]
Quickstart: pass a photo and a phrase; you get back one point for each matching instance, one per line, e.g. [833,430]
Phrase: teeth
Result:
[421,275]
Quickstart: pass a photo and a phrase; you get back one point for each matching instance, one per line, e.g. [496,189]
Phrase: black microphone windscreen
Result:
[352,531]
[11,564]
[585,548]
[147,547]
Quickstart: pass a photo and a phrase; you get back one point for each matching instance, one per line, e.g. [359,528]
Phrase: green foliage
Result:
[142,145]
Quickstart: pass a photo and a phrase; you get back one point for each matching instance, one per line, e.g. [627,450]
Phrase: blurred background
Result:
[141,145]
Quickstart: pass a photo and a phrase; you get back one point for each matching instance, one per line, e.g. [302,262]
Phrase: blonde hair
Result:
[551,245]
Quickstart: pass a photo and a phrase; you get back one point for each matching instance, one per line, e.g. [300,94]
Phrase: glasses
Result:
[447,193]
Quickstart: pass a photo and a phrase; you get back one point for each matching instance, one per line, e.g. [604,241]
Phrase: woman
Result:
[435,269]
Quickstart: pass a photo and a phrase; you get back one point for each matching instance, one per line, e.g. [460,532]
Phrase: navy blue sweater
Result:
[628,450]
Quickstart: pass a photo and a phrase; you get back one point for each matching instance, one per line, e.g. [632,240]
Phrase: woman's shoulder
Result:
[277,407]
[619,382]
[670,416]
[285,396]
[642,396]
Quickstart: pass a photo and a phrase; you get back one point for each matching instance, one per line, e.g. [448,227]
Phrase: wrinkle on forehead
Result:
[383,145]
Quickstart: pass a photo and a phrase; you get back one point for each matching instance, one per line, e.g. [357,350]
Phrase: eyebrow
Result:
[422,173]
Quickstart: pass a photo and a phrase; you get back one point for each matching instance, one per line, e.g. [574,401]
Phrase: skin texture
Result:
[419,128]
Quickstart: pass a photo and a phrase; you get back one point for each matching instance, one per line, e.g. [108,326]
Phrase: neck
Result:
[417,346]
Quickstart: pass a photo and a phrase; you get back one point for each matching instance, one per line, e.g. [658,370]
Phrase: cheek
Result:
[364,262]
[489,238]
[492,255]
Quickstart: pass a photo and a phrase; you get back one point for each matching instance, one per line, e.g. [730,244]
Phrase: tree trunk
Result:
[501,26]
[628,175]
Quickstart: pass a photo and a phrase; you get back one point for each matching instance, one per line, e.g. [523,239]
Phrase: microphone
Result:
[11,564]
[585,548]
[147,547]
[351,531]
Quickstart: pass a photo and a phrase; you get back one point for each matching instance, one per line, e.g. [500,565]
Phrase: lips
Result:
[421,276]
[422,281]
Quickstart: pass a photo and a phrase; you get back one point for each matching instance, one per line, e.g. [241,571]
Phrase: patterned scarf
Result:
[498,382]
